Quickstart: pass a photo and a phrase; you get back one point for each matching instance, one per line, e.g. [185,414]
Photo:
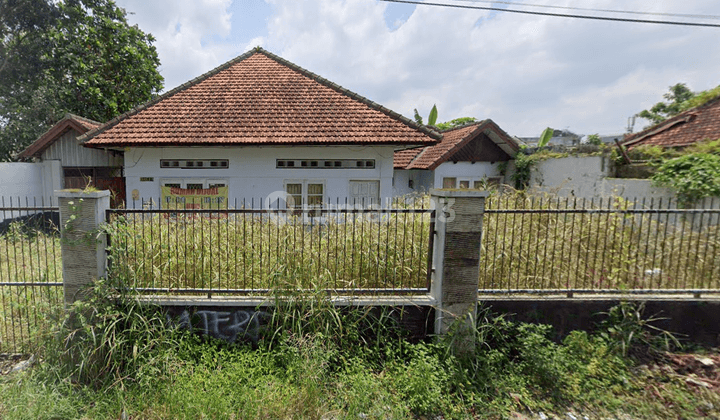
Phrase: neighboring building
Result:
[467,157]
[559,138]
[255,127]
[694,125]
[608,139]
[78,165]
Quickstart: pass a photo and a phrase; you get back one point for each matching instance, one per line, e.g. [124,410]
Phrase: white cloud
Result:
[185,31]
[525,72]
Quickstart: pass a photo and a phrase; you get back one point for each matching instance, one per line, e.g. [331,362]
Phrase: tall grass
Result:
[624,249]
[260,251]
[28,258]
[117,359]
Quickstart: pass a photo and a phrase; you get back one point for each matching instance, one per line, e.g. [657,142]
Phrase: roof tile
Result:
[684,129]
[259,98]
[453,140]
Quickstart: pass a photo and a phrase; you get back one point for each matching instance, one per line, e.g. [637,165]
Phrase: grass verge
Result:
[117,359]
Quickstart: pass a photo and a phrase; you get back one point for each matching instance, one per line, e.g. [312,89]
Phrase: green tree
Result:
[673,105]
[78,56]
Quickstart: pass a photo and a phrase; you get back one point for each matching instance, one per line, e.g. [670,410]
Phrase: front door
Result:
[365,193]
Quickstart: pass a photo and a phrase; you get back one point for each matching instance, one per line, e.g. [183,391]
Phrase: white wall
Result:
[252,172]
[587,177]
[28,184]
[32,180]
[465,171]
[579,176]
[422,181]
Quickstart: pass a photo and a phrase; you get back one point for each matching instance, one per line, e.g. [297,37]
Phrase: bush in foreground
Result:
[119,360]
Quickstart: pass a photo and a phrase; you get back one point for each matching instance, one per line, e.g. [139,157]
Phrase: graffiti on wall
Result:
[237,326]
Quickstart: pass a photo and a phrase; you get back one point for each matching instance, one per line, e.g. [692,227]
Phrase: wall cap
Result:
[72,193]
[459,193]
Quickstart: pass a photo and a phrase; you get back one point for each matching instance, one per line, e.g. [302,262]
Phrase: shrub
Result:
[694,176]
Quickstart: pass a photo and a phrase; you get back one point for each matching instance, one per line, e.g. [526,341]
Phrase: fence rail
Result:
[30,271]
[599,246]
[343,249]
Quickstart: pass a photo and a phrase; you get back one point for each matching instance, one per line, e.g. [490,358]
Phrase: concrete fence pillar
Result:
[456,256]
[82,247]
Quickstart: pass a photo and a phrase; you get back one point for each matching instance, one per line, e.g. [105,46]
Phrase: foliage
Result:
[595,140]
[110,338]
[700,98]
[545,137]
[523,168]
[328,370]
[554,247]
[627,330]
[432,118]
[679,99]
[249,251]
[674,99]
[693,176]
[457,122]
[78,56]
[646,152]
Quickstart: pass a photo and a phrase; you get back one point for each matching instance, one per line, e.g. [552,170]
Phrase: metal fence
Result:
[30,271]
[600,246]
[246,249]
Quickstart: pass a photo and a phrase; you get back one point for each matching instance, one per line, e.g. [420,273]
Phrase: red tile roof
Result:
[259,99]
[453,141]
[69,122]
[684,129]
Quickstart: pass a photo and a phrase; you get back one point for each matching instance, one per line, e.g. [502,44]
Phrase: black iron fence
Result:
[601,246]
[30,271]
[242,249]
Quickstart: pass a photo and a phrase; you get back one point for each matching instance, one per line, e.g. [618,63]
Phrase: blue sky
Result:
[524,72]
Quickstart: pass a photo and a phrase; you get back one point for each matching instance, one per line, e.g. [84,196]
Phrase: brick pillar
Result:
[456,256]
[83,251]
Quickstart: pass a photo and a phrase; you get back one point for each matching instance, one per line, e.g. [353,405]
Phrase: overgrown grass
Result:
[28,258]
[254,251]
[554,248]
[119,360]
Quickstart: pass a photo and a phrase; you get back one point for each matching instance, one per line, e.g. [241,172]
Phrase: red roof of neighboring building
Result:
[69,122]
[684,129]
[259,98]
[430,157]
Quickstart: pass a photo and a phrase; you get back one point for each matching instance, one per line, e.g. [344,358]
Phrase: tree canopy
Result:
[679,99]
[672,105]
[79,56]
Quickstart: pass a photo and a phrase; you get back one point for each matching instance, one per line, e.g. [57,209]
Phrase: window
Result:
[465,184]
[449,182]
[193,183]
[305,194]
[325,163]
[195,163]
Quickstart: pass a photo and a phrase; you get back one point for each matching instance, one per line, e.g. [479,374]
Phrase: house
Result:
[694,125]
[470,156]
[559,138]
[59,149]
[258,128]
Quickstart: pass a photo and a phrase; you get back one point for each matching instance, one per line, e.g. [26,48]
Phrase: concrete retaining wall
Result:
[693,320]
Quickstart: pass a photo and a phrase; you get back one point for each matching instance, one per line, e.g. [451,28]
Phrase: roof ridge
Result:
[109,124]
[70,115]
[680,118]
[352,95]
[325,82]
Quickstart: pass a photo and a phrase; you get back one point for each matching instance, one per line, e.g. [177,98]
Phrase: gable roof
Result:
[259,98]
[69,122]
[453,142]
[684,129]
